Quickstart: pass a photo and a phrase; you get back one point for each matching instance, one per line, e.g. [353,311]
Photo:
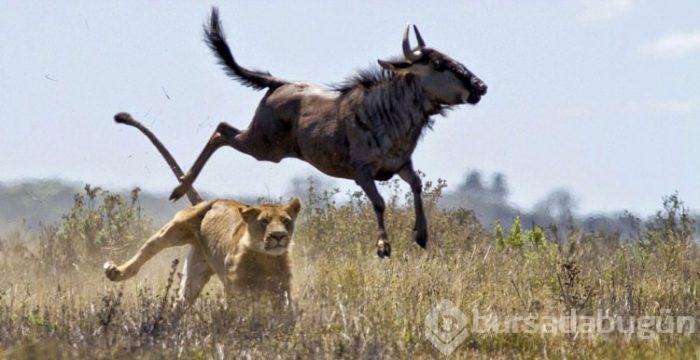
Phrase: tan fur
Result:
[245,246]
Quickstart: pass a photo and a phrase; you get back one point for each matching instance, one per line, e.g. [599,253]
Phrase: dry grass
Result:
[350,304]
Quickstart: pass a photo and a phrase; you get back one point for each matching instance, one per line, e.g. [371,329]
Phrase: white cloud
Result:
[673,45]
[601,10]
[669,106]
[677,106]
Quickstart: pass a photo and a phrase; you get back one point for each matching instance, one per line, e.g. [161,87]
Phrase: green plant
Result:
[536,237]
[670,231]
[100,224]
[516,238]
[515,235]
[498,236]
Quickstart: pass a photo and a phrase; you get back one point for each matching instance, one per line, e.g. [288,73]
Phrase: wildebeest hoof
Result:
[179,191]
[383,249]
[421,238]
[112,271]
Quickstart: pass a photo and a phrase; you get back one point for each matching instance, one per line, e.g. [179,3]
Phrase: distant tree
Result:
[473,182]
[499,188]
[301,186]
[558,204]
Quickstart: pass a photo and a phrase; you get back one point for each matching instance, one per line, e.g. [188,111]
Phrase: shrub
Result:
[100,224]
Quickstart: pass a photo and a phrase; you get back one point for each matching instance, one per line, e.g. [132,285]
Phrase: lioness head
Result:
[270,227]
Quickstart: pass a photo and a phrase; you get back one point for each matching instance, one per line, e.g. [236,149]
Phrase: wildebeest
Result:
[364,129]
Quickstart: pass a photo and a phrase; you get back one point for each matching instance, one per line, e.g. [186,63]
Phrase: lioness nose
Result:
[280,237]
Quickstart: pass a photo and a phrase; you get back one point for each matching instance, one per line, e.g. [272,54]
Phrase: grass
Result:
[349,304]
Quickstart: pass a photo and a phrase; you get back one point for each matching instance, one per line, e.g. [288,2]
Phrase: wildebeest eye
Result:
[438,65]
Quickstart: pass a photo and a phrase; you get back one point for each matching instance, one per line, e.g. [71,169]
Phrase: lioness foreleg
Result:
[174,233]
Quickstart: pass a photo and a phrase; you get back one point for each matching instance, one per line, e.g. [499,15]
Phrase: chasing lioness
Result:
[245,246]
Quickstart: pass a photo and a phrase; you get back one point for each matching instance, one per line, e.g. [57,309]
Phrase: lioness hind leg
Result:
[175,233]
[196,274]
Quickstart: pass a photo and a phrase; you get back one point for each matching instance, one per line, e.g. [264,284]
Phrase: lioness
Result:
[246,246]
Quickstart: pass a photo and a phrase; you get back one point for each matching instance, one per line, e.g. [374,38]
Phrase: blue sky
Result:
[598,97]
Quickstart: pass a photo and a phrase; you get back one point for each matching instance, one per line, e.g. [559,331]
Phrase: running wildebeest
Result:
[364,129]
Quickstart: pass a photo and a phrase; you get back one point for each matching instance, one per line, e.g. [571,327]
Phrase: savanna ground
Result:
[347,303]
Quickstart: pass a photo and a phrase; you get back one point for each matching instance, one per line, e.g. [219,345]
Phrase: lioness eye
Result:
[286,221]
[264,221]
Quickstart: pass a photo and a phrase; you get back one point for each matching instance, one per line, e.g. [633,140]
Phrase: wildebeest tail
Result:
[126,119]
[216,40]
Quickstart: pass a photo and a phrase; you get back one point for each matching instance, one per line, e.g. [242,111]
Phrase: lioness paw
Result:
[111,271]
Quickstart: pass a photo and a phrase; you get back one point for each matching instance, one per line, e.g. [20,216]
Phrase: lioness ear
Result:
[293,208]
[250,214]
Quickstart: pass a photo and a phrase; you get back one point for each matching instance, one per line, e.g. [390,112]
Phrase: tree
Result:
[558,205]
[499,189]
[473,182]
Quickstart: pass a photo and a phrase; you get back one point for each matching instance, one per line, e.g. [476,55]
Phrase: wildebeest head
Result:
[445,80]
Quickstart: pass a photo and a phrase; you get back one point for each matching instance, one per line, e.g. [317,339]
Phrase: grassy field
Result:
[347,303]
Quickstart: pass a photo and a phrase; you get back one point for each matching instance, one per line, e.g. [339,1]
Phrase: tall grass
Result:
[346,302]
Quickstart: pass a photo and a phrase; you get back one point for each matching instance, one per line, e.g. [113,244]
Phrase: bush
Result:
[100,225]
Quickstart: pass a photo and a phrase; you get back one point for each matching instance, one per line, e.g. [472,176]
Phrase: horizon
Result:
[343,195]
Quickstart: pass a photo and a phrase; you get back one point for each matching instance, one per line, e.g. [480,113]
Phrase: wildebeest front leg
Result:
[224,134]
[370,189]
[420,229]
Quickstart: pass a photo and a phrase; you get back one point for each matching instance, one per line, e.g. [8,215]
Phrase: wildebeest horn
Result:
[407,53]
[421,43]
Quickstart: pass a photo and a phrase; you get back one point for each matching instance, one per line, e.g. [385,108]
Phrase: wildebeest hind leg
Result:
[224,134]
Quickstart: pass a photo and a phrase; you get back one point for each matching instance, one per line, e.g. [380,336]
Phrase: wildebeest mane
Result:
[363,79]
[374,78]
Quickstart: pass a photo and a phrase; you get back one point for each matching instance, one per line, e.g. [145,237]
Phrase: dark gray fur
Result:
[364,129]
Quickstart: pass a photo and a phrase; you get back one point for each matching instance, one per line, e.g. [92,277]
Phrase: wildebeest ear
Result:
[293,208]
[393,65]
[250,214]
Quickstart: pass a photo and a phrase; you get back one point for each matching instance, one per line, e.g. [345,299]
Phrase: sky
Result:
[601,98]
